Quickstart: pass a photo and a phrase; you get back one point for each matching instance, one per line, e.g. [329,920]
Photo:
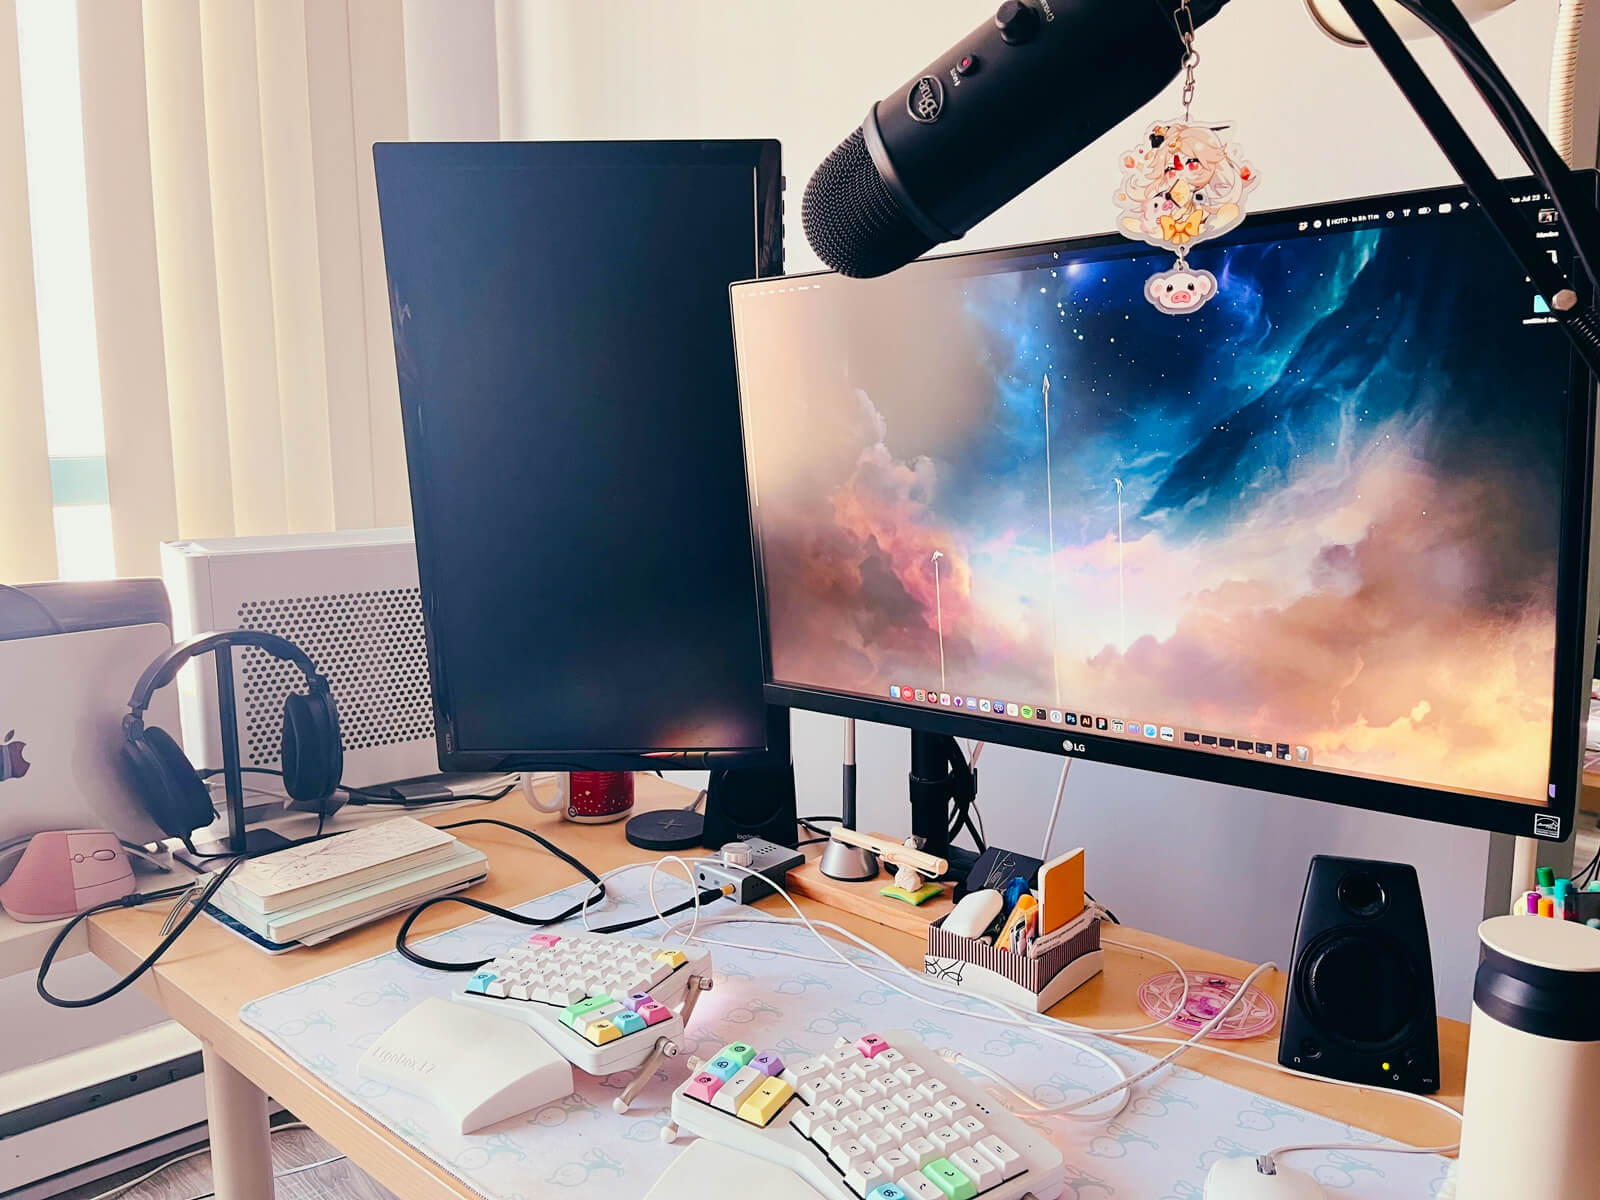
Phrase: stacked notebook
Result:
[310,893]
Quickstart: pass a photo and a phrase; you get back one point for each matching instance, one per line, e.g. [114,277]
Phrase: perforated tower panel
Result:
[351,602]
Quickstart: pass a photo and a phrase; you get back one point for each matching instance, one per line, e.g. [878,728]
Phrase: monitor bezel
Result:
[763,156]
[1575,615]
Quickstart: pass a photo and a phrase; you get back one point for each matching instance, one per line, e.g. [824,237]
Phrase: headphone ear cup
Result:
[167,782]
[313,754]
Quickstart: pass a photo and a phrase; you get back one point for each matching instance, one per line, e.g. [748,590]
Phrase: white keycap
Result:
[919,1187]
[519,991]
[500,987]
[894,1163]
[864,1068]
[972,1127]
[841,1079]
[928,1118]
[934,1089]
[879,1139]
[834,1106]
[732,1094]
[910,1074]
[566,994]
[975,1165]
[860,1095]
[858,1121]
[798,1073]
[947,1139]
[919,1150]
[883,1110]
[657,974]
[953,1107]
[903,1128]
[861,1179]
[827,1136]
[807,1119]
[841,1056]
[849,1153]
[890,1057]
[1003,1155]
[906,1099]
[884,1083]
[540,992]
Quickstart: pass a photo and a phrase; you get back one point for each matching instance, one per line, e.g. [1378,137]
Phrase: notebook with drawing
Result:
[300,874]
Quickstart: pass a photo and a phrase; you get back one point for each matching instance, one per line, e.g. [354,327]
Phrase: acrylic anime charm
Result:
[1184,184]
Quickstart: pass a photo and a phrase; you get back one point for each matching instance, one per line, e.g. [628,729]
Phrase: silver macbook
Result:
[62,700]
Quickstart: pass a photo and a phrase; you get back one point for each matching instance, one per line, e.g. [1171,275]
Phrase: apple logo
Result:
[12,764]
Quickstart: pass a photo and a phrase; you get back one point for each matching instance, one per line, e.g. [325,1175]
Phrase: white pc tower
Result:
[349,600]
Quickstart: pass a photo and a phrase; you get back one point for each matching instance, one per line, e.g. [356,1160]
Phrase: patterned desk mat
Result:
[1160,1148]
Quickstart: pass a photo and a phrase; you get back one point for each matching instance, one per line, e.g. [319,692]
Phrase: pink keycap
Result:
[637,1000]
[702,1087]
[545,940]
[654,1013]
[871,1045]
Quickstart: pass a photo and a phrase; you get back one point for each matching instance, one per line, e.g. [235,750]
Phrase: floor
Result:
[291,1148]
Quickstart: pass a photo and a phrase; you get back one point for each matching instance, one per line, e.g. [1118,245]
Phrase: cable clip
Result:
[190,898]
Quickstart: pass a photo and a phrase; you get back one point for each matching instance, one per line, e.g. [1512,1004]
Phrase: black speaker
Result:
[751,802]
[1360,1003]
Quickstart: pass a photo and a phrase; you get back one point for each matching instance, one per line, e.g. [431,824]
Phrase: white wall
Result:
[1203,863]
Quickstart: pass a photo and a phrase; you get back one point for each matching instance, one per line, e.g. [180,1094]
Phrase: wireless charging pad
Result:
[666,829]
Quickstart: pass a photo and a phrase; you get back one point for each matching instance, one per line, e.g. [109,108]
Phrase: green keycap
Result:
[740,1052]
[947,1177]
[570,1015]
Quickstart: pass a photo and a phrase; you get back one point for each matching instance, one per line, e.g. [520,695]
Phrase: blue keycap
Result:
[887,1191]
[723,1068]
[628,1022]
[480,982]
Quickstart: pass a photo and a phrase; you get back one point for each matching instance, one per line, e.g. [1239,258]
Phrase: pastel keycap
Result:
[871,1045]
[887,1191]
[767,1063]
[601,1032]
[950,1180]
[764,1103]
[480,982]
[673,958]
[733,1093]
[544,940]
[634,1002]
[703,1086]
[628,1022]
[722,1068]
[654,1013]
[743,1052]
[572,1014]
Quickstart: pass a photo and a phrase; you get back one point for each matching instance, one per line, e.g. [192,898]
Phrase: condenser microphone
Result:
[1010,102]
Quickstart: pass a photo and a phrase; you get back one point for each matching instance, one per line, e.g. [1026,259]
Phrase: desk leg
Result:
[241,1147]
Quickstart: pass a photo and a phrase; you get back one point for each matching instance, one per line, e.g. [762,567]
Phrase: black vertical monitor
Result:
[1326,536]
[572,436]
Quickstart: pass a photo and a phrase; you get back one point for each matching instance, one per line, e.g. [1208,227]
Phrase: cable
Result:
[1055,809]
[185,1157]
[285,1174]
[44,609]
[1564,76]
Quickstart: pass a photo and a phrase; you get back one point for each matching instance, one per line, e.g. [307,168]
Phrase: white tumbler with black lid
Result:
[1533,1063]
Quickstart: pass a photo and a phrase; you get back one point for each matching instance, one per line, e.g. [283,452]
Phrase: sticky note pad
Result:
[1060,891]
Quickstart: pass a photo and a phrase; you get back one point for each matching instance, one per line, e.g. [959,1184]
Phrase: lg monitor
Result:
[572,435]
[1326,536]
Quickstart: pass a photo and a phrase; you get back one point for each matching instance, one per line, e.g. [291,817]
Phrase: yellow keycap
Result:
[673,958]
[761,1105]
[601,1032]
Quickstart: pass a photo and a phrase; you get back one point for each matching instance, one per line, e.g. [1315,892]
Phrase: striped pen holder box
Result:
[1036,983]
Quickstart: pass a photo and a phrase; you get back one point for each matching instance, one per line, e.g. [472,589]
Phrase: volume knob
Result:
[1017,22]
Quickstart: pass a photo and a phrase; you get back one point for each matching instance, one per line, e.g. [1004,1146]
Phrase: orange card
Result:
[1060,891]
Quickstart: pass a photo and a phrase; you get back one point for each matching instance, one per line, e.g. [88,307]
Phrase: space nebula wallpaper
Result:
[1322,512]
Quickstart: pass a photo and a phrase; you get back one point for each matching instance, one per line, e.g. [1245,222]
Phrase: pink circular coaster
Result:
[1256,1014]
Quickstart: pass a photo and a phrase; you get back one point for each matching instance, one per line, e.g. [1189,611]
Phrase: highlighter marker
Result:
[1547,906]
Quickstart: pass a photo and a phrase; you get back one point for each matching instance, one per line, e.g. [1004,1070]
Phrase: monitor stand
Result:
[936,784]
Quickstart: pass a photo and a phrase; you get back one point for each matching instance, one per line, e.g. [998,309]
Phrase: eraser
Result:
[974,914]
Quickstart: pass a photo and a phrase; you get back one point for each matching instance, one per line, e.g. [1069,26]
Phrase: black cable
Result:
[137,900]
[365,799]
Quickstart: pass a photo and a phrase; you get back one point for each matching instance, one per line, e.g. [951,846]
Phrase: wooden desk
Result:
[210,974]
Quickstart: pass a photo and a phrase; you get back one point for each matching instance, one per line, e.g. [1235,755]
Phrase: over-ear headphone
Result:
[168,783]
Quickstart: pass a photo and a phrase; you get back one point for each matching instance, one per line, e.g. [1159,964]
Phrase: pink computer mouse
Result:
[64,872]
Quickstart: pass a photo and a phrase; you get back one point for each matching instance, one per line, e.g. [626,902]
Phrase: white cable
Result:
[974,753]
[1564,77]
[1055,809]
[172,1162]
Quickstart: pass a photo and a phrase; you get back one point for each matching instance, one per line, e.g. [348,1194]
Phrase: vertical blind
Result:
[238,302]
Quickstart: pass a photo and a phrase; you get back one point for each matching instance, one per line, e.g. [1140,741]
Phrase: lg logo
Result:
[12,764]
[1072,747]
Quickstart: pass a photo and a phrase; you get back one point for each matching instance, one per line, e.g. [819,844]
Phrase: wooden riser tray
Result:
[863,900]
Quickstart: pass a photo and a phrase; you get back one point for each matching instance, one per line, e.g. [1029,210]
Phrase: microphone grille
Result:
[853,221]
